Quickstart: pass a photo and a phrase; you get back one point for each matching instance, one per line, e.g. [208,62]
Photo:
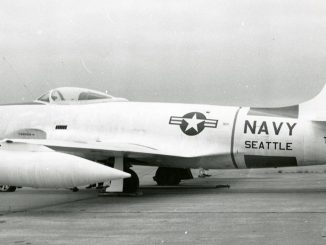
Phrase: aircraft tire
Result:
[75,189]
[167,177]
[131,185]
[7,188]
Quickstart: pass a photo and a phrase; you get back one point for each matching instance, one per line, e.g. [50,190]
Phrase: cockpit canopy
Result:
[71,95]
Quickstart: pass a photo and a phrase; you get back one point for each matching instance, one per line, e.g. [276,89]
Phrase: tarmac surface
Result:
[261,207]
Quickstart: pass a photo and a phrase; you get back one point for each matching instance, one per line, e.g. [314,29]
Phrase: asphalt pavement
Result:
[260,207]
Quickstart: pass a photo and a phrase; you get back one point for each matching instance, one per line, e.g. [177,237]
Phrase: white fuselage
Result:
[194,135]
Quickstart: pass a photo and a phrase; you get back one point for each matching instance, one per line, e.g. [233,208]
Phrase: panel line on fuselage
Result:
[232,137]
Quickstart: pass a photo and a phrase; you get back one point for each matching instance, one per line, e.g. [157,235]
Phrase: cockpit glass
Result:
[73,95]
[45,98]
[57,96]
[91,96]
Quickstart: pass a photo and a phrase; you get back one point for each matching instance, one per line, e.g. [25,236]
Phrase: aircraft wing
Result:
[116,148]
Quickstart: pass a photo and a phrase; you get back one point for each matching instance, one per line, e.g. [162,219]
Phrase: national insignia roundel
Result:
[193,123]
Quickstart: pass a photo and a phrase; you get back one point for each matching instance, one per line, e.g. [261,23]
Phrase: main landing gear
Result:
[131,185]
[122,186]
[171,176]
[7,188]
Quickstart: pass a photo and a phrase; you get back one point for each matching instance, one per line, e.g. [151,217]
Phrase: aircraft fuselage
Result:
[205,136]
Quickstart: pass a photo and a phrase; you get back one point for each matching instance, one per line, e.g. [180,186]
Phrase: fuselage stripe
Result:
[232,137]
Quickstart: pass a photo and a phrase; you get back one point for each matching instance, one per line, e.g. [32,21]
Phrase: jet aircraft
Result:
[73,136]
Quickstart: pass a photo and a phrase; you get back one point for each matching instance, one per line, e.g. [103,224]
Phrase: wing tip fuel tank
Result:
[52,170]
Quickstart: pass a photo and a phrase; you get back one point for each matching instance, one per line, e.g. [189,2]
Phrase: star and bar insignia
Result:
[193,123]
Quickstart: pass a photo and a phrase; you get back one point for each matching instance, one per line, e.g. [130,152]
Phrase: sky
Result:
[227,52]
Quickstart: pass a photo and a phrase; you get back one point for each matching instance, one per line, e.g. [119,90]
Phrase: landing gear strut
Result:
[129,185]
[171,176]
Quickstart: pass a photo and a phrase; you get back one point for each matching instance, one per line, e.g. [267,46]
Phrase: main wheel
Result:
[75,189]
[131,185]
[167,176]
[7,188]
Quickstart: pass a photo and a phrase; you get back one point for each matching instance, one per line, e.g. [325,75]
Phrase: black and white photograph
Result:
[162,122]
